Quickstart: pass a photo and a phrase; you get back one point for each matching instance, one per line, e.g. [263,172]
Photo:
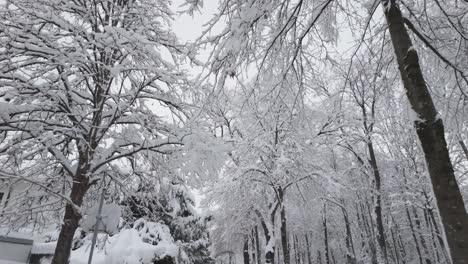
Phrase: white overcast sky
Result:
[187,27]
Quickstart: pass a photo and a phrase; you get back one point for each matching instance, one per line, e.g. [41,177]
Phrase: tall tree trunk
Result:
[378,204]
[435,225]
[309,254]
[257,245]
[270,255]
[253,248]
[269,235]
[246,251]
[297,252]
[325,234]
[71,218]
[427,260]
[283,228]
[367,236]
[395,244]
[430,130]
[402,247]
[371,231]
[350,254]
[434,249]
[413,234]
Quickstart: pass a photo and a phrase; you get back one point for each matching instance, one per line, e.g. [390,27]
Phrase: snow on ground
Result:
[139,245]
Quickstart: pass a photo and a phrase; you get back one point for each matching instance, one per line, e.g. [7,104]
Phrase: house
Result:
[15,249]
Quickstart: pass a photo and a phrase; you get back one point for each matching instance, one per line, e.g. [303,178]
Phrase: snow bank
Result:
[130,248]
[142,244]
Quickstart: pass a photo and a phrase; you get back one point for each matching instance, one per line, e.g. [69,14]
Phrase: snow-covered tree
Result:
[171,202]
[254,31]
[88,90]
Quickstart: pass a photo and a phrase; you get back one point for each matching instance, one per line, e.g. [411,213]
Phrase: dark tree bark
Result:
[325,234]
[426,258]
[350,254]
[430,130]
[246,251]
[309,254]
[72,217]
[366,232]
[257,245]
[435,226]
[368,220]
[297,252]
[283,228]
[395,245]
[413,234]
[433,241]
[269,235]
[378,202]
[400,243]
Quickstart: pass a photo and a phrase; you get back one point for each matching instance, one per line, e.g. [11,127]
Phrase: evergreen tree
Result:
[174,205]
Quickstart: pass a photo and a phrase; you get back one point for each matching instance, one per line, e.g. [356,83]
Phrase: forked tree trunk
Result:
[269,236]
[430,130]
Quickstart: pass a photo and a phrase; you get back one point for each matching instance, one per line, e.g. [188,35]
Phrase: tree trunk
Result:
[402,245]
[246,251]
[309,254]
[426,258]
[369,223]
[283,228]
[395,244]
[350,254]
[269,236]
[434,249]
[413,234]
[270,255]
[257,245]
[430,130]
[325,235]
[297,253]
[382,252]
[70,220]
[435,225]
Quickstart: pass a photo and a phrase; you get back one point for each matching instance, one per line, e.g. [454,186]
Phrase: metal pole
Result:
[96,226]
